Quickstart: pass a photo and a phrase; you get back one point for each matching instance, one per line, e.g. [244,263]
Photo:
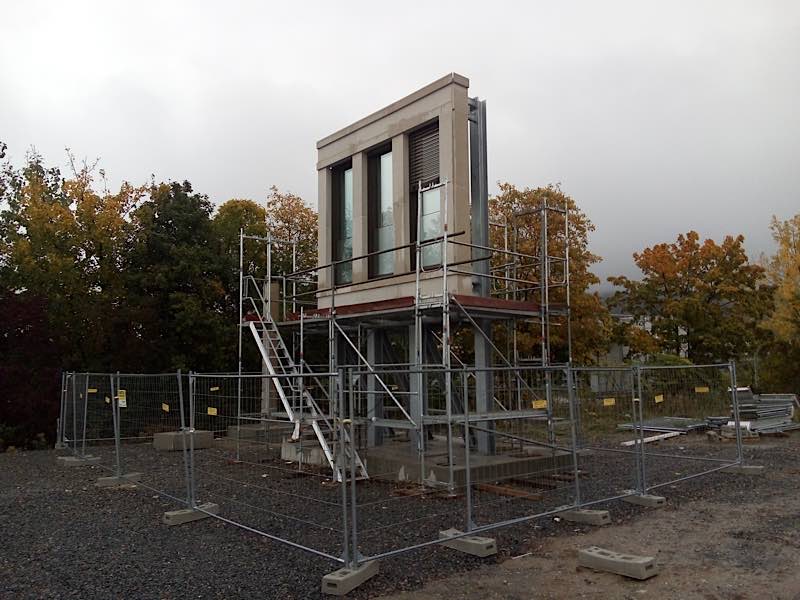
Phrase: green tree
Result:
[175,284]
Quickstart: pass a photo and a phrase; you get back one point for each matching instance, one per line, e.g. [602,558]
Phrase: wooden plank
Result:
[653,438]
[504,490]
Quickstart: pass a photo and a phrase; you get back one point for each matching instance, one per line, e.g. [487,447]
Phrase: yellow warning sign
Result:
[659,398]
[609,401]
[539,404]
[122,399]
[215,388]
[165,407]
[92,390]
[212,411]
[703,389]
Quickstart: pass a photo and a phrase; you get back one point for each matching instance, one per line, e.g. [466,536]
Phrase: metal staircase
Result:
[298,404]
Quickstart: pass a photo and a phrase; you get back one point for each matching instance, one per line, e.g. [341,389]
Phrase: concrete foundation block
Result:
[469,544]
[346,579]
[627,565]
[122,480]
[745,469]
[173,440]
[187,515]
[79,461]
[587,516]
[648,500]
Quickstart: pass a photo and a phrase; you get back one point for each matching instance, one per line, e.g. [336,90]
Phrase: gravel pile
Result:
[65,538]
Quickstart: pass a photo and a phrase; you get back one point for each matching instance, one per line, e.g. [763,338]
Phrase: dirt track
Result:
[740,542]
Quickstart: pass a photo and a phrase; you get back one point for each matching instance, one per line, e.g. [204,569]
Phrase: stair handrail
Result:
[271,369]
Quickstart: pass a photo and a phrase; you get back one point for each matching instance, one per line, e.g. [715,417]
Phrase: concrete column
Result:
[360,221]
[374,401]
[402,259]
[325,249]
[484,386]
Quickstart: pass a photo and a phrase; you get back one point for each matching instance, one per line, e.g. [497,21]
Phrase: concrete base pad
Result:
[173,440]
[628,565]
[78,461]
[469,544]
[587,516]
[346,579]
[187,515]
[745,469]
[114,481]
[648,500]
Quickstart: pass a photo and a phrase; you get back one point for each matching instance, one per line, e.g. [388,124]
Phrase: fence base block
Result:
[628,565]
[346,579]
[60,446]
[187,515]
[469,544]
[172,441]
[745,469]
[648,500]
[78,461]
[114,481]
[587,516]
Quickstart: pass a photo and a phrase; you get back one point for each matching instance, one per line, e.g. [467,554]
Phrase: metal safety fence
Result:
[342,465]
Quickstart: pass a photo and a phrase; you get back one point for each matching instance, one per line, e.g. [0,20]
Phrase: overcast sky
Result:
[656,117]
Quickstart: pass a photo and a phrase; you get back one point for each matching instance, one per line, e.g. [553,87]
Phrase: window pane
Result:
[347,205]
[386,197]
[344,245]
[385,262]
[431,226]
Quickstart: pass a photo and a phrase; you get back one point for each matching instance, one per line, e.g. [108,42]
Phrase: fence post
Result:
[183,440]
[60,422]
[574,432]
[640,436]
[637,425]
[117,432]
[353,505]
[467,474]
[735,407]
[74,415]
[192,477]
[341,466]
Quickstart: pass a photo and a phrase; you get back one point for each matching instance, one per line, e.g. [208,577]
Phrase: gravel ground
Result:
[65,538]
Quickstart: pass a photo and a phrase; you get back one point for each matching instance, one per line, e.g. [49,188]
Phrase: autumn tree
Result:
[700,298]
[780,371]
[589,318]
[64,241]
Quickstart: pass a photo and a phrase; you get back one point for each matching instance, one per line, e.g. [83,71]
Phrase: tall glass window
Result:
[343,226]
[382,208]
[431,226]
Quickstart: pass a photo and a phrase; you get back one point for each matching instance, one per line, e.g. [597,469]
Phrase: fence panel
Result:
[676,403]
[148,405]
[266,474]
[605,399]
